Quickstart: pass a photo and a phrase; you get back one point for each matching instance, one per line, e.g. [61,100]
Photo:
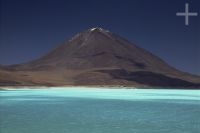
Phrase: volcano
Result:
[100,58]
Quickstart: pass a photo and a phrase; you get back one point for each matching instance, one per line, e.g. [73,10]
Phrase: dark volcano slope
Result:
[150,78]
[97,57]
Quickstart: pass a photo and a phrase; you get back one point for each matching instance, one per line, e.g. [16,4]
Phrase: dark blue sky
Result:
[30,28]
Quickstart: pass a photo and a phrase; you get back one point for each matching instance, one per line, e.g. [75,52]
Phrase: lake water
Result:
[94,110]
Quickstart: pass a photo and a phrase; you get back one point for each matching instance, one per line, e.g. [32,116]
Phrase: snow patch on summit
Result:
[98,28]
[93,29]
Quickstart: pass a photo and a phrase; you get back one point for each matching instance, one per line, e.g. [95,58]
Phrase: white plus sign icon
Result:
[187,14]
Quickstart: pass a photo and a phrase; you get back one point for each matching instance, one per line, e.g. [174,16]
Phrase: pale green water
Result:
[82,110]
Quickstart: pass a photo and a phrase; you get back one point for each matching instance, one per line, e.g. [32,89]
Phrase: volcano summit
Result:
[97,57]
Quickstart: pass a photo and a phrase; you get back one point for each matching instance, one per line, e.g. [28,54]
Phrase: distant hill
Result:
[97,57]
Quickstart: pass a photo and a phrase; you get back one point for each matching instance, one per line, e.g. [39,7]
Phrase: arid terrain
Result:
[100,58]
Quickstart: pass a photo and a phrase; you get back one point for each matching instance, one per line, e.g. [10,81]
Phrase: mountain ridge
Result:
[91,57]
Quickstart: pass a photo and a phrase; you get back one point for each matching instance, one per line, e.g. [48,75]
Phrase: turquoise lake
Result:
[96,110]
